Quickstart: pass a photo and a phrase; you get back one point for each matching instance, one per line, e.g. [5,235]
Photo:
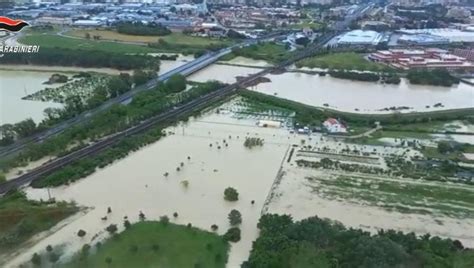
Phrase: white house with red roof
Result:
[334,126]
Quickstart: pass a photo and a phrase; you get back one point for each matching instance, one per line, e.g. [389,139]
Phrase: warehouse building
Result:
[360,38]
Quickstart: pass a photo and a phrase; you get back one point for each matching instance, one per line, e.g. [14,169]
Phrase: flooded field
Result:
[263,174]
[137,183]
[167,65]
[373,202]
[16,84]
[347,95]
[17,81]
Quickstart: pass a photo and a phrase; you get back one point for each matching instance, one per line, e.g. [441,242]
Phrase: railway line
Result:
[171,114]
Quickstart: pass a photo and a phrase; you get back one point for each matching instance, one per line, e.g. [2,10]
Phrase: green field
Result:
[21,218]
[174,38]
[270,52]
[342,61]
[110,42]
[56,41]
[158,245]
[305,24]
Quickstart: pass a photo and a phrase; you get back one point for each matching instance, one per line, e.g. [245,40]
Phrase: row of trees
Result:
[9,132]
[437,77]
[316,242]
[69,57]
[371,77]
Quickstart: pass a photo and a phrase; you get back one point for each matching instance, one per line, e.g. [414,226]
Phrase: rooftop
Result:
[360,37]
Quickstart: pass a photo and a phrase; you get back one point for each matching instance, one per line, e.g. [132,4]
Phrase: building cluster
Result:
[332,125]
[430,58]
[180,16]
[248,17]
[418,3]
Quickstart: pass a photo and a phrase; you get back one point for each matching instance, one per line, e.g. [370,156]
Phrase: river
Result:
[16,84]
[347,95]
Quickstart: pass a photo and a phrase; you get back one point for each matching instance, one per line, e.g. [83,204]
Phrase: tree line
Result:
[315,242]
[69,57]
[437,77]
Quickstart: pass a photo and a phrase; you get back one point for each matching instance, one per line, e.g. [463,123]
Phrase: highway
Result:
[174,113]
[186,70]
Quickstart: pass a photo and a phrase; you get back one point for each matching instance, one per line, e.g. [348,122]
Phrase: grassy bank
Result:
[270,52]
[21,218]
[342,61]
[155,244]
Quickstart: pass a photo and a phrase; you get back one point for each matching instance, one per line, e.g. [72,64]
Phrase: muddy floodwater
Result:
[16,84]
[17,81]
[223,73]
[354,96]
[168,65]
[137,183]
[347,95]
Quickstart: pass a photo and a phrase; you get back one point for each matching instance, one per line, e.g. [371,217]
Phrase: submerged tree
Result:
[231,194]
[251,142]
[81,233]
[235,217]
[232,235]
[36,259]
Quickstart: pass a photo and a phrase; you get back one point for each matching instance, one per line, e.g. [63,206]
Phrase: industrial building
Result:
[417,58]
[452,35]
[422,40]
[360,38]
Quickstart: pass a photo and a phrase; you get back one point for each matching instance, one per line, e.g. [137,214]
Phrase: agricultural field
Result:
[270,52]
[173,38]
[57,41]
[373,187]
[157,244]
[342,61]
